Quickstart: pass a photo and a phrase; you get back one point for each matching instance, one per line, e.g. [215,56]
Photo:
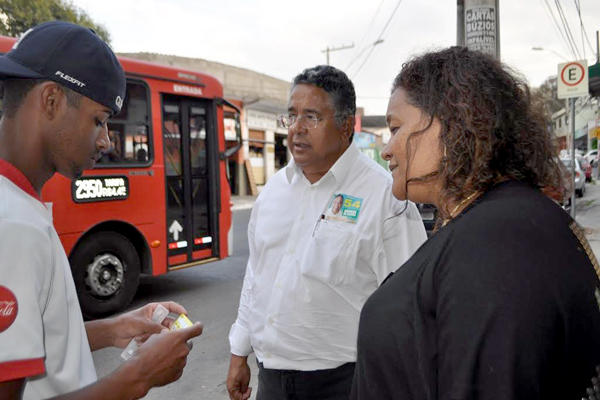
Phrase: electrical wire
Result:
[562,34]
[567,28]
[583,30]
[581,24]
[557,30]
[365,36]
[379,39]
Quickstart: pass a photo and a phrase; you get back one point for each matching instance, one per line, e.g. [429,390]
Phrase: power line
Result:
[562,34]
[365,36]
[379,39]
[583,30]
[581,24]
[359,55]
[366,59]
[567,28]
[557,30]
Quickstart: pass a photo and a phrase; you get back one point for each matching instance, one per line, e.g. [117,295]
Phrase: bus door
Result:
[191,170]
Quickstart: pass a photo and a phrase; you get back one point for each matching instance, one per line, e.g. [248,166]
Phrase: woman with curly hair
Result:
[502,302]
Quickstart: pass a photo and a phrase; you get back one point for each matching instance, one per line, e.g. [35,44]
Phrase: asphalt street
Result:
[210,293]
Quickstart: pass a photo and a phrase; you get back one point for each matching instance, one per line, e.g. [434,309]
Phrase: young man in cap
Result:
[61,85]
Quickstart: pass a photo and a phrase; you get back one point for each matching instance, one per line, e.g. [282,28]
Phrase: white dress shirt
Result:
[308,276]
[46,343]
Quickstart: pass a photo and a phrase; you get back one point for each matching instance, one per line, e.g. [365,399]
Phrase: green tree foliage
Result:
[545,97]
[17,16]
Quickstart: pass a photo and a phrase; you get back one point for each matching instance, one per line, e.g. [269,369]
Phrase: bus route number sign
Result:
[100,188]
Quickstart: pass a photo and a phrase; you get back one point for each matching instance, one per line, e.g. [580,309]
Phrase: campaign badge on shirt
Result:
[343,207]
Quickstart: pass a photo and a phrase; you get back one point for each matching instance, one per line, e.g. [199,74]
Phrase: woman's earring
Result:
[444,150]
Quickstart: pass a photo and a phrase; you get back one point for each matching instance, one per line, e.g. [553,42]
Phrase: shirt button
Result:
[271,320]
[291,251]
[268,355]
[302,218]
[278,285]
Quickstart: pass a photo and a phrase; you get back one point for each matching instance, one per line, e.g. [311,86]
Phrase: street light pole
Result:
[572,126]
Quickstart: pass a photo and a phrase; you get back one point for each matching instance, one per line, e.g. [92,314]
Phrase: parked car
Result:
[562,194]
[591,155]
[579,176]
[586,167]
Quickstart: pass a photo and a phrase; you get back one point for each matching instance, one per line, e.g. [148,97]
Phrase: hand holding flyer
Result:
[159,315]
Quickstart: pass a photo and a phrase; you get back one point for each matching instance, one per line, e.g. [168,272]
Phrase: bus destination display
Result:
[100,188]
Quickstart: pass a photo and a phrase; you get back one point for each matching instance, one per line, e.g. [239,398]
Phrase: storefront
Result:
[265,140]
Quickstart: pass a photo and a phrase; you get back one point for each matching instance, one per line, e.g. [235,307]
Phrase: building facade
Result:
[586,117]
[261,98]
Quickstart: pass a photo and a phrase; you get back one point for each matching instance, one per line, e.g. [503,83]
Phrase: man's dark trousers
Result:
[327,384]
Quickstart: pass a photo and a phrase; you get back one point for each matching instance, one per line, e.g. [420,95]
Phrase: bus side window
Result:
[128,131]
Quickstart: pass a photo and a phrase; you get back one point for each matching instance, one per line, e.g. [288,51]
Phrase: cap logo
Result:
[119,102]
[21,38]
[8,308]
[70,79]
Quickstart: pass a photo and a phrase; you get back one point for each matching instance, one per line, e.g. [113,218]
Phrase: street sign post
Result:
[573,82]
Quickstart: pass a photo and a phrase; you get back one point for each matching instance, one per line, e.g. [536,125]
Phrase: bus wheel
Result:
[106,270]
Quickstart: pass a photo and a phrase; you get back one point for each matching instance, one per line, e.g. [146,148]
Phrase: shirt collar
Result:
[339,170]
[14,175]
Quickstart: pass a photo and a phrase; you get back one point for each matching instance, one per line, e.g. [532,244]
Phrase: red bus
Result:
[159,200]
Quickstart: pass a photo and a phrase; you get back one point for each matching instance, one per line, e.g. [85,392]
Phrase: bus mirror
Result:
[238,131]
[230,151]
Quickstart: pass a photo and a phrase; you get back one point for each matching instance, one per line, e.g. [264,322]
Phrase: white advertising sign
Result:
[480,28]
[261,120]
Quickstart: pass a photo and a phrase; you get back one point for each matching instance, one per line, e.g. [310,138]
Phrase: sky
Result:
[280,38]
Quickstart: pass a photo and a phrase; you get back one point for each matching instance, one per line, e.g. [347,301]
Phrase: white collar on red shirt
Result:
[17,177]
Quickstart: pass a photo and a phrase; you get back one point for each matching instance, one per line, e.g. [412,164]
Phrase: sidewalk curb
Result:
[243,206]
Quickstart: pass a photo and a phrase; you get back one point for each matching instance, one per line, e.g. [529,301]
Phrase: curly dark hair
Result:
[490,132]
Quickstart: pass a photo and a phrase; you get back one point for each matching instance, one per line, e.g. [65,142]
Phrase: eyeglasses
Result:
[306,121]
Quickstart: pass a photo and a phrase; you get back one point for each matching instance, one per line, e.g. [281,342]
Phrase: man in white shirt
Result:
[324,234]
[61,85]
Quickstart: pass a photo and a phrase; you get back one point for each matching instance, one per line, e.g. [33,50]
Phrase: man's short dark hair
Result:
[337,84]
[15,90]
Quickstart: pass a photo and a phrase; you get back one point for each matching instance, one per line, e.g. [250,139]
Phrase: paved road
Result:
[211,294]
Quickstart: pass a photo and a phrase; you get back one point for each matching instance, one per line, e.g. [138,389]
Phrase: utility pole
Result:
[572,126]
[329,49]
[460,22]
[478,25]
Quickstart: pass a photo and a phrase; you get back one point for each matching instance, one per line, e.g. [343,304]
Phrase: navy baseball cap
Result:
[71,55]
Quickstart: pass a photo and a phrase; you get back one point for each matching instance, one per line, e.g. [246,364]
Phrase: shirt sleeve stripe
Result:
[12,370]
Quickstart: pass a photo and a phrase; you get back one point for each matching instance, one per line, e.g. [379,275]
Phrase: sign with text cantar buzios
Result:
[573,79]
